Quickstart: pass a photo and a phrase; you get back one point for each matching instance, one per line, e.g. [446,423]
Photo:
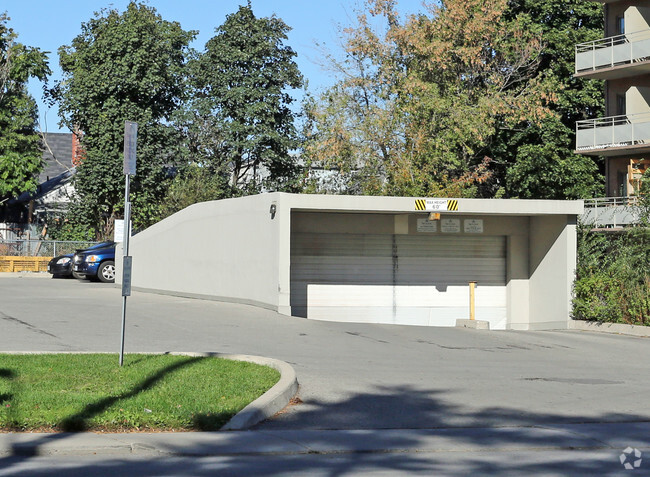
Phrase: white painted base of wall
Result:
[405,305]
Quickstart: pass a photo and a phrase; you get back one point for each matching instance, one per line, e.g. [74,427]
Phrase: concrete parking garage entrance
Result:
[370,259]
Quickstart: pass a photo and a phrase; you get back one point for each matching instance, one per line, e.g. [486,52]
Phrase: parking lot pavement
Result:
[353,376]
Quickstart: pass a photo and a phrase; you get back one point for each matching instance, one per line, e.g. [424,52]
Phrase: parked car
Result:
[96,263]
[61,266]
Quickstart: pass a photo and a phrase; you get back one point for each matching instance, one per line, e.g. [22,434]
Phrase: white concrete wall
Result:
[517,278]
[222,250]
[637,96]
[552,269]
[637,101]
[636,19]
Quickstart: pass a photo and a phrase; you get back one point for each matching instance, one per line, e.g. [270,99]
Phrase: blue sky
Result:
[48,24]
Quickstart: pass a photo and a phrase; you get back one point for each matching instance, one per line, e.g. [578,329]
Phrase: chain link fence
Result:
[40,248]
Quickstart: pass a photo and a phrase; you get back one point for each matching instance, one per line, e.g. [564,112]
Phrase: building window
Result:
[620,105]
[622,184]
[620,25]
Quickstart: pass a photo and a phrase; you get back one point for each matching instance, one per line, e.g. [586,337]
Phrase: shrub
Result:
[613,276]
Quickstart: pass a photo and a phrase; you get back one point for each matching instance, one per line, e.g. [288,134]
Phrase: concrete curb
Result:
[614,328]
[23,274]
[269,403]
[265,406]
[615,436]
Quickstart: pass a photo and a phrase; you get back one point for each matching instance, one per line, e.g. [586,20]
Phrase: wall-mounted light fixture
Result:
[272,210]
[434,216]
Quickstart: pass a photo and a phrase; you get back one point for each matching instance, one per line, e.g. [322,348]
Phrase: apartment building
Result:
[622,59]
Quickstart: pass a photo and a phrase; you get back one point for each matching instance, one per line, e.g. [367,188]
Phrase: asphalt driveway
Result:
[352,376]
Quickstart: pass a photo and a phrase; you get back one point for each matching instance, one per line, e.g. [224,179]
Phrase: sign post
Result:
[130,145]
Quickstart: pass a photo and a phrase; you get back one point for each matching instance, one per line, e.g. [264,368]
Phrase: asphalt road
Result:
[352,376]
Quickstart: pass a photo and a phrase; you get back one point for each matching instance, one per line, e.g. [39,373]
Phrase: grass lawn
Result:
[79,392]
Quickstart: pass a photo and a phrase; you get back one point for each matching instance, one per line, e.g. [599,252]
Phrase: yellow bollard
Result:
[472,306]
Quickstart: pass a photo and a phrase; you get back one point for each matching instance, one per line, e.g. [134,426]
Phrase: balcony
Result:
[614,135]
[614,57]
[611,212]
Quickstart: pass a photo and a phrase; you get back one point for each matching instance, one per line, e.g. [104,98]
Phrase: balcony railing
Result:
[611,211]
[613,51]
[613,131]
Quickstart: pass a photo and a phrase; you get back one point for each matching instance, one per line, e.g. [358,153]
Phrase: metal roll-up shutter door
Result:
[339,260]
[403,279]
[434,274]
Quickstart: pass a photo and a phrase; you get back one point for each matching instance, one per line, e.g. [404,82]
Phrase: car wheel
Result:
[106,272]
[78,277]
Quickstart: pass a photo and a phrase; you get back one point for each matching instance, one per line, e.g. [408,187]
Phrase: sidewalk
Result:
[584,437]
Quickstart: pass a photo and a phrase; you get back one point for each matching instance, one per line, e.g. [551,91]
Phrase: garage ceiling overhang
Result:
[402,205]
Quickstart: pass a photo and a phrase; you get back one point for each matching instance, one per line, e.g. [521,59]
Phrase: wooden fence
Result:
[23,264]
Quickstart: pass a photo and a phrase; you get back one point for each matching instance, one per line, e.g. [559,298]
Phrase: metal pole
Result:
[472,307]
[130,146]
[127,233]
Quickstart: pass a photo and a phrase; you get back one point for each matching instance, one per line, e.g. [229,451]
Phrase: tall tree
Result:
[20,144]
[242,125]
[537,160]
[420,103]
[122,66]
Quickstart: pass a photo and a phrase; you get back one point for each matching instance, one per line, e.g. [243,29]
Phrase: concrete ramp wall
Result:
[225,249]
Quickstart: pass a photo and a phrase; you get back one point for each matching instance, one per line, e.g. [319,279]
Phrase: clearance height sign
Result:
[436,205]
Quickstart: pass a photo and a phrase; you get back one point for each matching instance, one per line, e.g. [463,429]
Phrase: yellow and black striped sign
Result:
[436,205]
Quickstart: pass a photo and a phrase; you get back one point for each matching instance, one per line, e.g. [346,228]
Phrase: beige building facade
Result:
[622,59]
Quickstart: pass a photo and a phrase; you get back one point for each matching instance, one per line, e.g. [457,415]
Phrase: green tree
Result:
[241,126]
[420,103]
[122,66]
[20,143]
[537,160]
[470,99]
[544,165]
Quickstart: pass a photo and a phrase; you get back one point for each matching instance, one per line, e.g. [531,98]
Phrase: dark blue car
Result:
[61,266]
[97,263]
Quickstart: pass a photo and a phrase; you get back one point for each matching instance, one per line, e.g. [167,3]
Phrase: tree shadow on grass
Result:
[79,422]
[6,397]
[9,375]
[209,422]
